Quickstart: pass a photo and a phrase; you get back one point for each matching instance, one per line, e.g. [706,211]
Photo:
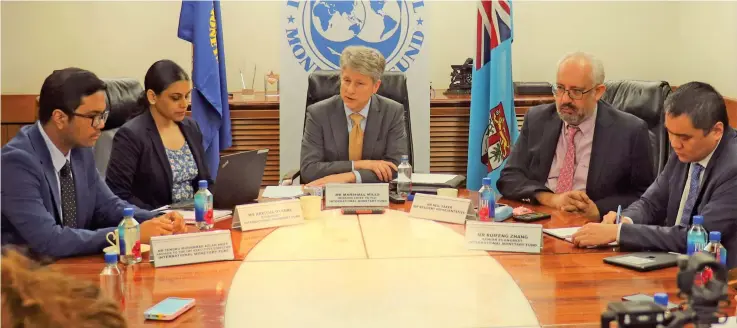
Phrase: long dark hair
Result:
[159,77]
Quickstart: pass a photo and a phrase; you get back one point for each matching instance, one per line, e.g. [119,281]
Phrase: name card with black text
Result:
[188,248]
[267,215]
[440,208]
[504,237]
[357,194]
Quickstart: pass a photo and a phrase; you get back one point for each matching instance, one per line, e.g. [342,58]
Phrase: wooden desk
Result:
[564,285]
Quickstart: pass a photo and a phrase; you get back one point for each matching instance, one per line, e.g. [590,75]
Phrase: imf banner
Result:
[315,34]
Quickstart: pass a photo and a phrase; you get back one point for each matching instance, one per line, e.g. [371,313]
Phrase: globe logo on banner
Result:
[318,31]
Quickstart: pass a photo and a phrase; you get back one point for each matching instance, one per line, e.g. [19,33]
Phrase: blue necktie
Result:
[693,193]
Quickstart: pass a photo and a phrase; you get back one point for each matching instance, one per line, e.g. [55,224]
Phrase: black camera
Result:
[704,298]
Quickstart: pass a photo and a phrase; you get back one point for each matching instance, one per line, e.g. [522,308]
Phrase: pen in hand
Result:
[619,214]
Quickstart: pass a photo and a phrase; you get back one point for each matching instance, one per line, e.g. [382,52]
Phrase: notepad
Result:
[217,215]
[282,192]
[566,233]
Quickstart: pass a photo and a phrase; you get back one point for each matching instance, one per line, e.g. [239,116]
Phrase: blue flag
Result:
[493,122]
[200,23]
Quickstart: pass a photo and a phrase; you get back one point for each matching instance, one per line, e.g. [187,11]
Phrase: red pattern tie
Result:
[565,179]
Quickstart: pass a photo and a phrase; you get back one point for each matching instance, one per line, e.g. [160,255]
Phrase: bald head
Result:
[579,85]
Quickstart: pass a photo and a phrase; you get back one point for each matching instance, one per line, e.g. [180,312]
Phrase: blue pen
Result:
[619,213]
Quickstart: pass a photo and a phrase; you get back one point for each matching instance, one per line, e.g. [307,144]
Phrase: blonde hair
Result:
[365,60]
[36,296]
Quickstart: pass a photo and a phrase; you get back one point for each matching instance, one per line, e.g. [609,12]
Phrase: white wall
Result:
[674,41]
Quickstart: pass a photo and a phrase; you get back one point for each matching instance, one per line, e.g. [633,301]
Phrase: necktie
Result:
[355,139]
[567,171]
[68,196]
[693,193]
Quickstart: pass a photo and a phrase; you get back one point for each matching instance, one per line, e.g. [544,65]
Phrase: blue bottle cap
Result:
[405,157]
[128,211]
[111,258]
[411,197]
[715,236]
[486,181]
[698,219]
[203,184]
[661,299]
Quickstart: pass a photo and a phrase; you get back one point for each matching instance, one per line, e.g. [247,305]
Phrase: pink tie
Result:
[565,179]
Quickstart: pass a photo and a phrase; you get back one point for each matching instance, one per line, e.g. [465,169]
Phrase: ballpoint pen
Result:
[619,214]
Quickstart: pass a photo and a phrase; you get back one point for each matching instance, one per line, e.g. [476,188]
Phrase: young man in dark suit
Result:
[700,178]
[579,154]
[53,199]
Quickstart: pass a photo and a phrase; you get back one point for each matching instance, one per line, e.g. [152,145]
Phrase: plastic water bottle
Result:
[111,281]
[487,201]
[696,239]
[129,238]
[715,248]
[662,300]
[404,178]
[203,207]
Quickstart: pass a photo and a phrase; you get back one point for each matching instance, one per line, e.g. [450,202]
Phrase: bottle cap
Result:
[128,211]
[203,183]
[698,219]
[111,258]
[486,181]
[715,236]
[411,197]
[405,157]
[661,299]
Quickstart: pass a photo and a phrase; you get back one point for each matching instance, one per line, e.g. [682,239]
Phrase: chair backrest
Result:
[121,99]
[325,84]
[644,99]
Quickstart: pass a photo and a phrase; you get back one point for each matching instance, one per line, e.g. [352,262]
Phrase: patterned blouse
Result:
[183,171]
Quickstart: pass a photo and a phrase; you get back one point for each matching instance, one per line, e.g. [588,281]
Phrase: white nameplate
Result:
[440,208]
[357,194]
[267,215]
[504,237]
[190,248]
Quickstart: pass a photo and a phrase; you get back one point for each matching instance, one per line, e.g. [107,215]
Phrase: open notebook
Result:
[566,233]
[218,215]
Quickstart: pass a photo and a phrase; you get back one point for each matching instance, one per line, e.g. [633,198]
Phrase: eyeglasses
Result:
[573,93]
[96,119]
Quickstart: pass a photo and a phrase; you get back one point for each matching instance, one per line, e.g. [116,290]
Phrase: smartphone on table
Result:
[169,309]
[531,217]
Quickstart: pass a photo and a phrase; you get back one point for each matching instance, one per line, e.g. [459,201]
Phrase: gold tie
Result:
[355,139]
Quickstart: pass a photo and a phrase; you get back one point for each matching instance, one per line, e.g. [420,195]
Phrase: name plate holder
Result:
[339,195]
[267,215]
[199,247]
[441,208]
[504,237]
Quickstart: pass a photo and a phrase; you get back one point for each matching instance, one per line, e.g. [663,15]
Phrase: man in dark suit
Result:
[53,199]
[357,136]
[700,178]
[579,154]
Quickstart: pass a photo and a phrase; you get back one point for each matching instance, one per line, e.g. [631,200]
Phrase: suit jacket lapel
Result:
[603,135]
[713,162]
[158,146]
[339,126]
[373,127]
[548,144]
[49,172]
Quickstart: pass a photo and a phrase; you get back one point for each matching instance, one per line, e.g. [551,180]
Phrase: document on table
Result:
[217,215]
[282,192]
[566,233]
[431,178]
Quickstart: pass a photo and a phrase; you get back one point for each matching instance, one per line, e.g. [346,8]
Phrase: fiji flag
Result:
[493,128]
[200,23]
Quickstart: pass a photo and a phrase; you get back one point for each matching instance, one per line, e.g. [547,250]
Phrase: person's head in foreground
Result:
[37,296]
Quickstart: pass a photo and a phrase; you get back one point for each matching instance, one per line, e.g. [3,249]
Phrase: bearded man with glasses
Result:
[579,154]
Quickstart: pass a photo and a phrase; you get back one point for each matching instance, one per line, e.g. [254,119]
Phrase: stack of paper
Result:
[282,192]
[566,233]
[218,215]
[431,178]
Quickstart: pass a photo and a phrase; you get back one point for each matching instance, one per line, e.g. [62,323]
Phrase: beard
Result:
[574,118]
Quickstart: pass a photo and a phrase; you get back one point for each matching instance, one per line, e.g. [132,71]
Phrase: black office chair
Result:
[644,99]
[322,85]
[121,99]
